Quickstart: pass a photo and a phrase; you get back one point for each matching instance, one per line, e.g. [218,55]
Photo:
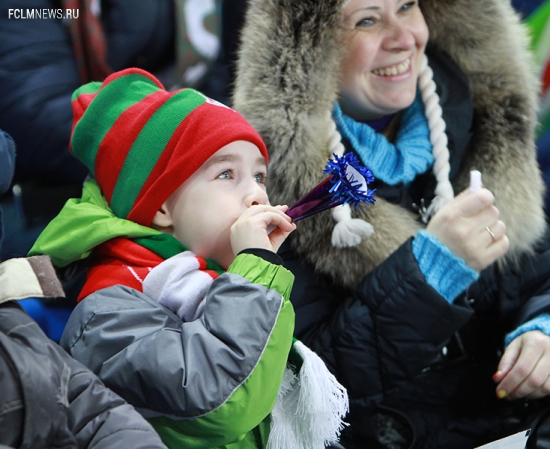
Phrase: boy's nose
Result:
[257,195]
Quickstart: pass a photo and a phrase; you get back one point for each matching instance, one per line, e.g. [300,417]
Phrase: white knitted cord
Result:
[348,231]
[444,190]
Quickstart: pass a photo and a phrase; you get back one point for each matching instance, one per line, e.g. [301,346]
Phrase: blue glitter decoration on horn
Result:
[347,184]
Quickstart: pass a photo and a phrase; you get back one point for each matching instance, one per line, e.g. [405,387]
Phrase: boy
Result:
[177,198]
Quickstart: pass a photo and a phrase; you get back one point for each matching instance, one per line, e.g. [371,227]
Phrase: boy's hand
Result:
[470,228]
[251,229]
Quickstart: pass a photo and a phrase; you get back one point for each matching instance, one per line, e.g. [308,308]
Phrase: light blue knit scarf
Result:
[410,156]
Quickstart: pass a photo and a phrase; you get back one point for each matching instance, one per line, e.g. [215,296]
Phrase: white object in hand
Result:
[475,180]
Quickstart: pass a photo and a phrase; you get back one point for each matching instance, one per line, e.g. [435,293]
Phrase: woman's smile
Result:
[393,70]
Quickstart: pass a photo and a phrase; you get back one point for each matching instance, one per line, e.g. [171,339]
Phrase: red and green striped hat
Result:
[141,142]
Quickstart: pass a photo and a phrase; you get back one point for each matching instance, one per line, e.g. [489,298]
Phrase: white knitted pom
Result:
[348,231]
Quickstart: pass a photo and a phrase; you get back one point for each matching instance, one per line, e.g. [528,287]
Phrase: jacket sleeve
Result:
[101,419]
[384,334]
[7,159]
[60,396]
[217,376]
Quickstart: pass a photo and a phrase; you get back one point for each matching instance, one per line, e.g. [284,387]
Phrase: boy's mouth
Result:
[393,70]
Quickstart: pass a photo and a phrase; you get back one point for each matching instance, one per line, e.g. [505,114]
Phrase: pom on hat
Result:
[141,142]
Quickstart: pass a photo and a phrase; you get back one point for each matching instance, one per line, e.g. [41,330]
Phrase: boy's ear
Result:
[162,218]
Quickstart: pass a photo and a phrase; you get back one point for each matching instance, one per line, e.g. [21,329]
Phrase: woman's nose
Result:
[398,37]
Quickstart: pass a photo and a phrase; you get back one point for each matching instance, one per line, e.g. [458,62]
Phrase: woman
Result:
[431,309]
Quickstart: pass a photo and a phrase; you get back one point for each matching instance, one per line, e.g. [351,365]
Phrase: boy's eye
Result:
[260,178]
[226,174]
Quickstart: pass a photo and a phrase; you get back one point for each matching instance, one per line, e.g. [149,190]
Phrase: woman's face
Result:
[385,47]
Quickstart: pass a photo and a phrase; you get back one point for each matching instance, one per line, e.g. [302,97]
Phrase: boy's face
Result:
[202,210]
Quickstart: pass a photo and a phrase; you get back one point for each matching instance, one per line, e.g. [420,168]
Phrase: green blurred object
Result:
[539,23]
[198,39]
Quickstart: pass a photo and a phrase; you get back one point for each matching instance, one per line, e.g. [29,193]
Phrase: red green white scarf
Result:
[158,266]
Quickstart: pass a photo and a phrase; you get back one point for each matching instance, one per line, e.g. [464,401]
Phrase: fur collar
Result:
[287,82]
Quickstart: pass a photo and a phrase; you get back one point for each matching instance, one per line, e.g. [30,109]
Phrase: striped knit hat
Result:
[141,142]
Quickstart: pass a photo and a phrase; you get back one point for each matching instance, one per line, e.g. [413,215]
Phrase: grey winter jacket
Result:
[48,399]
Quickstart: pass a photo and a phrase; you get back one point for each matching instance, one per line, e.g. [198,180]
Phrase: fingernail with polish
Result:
[498,373]
[501,394]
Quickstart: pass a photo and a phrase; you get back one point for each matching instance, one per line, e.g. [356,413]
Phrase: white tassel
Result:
[310,407]
[321,393]
[281,433]
[348,231]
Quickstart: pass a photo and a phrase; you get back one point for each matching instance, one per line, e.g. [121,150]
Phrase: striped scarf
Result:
[159,266]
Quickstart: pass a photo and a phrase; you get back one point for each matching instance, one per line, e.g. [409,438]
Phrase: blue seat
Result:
[52,320]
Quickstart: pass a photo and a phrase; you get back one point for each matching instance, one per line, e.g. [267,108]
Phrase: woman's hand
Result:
[469,226]
[251,229]
[524,369]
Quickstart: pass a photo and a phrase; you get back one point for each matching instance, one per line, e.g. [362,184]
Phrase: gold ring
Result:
[491,233]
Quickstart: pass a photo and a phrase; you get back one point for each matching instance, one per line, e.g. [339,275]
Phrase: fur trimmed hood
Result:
[287,83]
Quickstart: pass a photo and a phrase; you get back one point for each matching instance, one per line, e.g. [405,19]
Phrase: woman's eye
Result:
[366,22]
[224,175]
[408,6]
[260,178]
